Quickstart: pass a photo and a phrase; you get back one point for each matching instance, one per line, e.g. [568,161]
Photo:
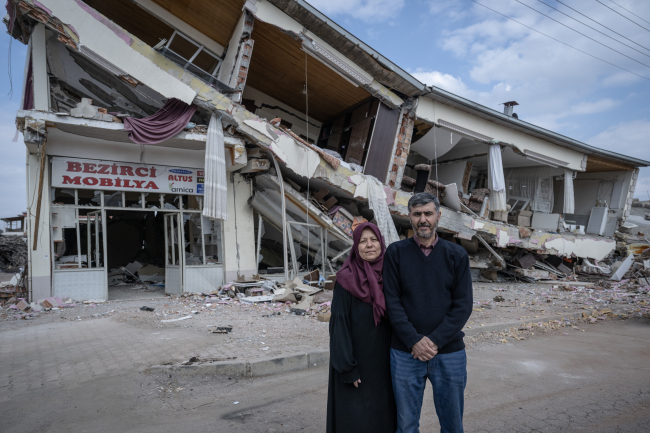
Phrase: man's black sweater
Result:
[427,295]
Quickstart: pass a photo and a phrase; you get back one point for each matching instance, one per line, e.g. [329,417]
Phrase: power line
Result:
[602,25]
[604,34]
[629,11]
[622,15]
[580,33]
[564,43]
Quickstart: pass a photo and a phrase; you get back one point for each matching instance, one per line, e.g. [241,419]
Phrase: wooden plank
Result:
[320,195]
[597,164]
[40,195]
[360,122]
[380,151]
[334,140]
[330,202]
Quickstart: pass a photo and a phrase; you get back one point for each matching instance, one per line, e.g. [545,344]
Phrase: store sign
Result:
[124,176]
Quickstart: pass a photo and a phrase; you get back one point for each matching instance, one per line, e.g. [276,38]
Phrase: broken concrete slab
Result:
[623,268]
[23,306]
[526,261]
[267,366]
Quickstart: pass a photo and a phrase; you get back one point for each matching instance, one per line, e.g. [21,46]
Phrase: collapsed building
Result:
[213,141]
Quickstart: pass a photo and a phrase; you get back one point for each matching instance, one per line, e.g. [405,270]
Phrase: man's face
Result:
[424,220]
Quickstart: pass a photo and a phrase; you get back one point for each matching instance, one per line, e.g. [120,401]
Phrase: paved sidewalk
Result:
[69,353]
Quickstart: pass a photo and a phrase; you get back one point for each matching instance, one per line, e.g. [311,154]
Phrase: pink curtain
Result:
[11,11]
[162,125]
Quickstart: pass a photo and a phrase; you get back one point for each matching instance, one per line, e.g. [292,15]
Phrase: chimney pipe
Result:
[508,107]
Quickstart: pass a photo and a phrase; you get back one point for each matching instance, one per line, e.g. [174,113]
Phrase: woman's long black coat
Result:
[359,350]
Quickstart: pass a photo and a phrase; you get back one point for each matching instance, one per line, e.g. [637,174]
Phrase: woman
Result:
[360,396]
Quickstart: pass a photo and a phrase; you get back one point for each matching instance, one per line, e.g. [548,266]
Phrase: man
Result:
[428,290]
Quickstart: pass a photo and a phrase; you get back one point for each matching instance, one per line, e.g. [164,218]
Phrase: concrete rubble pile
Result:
[137,276]
[309,296]
[630,259]
[20,308]
[13,253]
[12,291]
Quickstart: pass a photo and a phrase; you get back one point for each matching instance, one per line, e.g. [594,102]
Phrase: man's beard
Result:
[423,234]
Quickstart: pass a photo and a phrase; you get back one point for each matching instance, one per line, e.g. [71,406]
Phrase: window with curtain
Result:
[534,183]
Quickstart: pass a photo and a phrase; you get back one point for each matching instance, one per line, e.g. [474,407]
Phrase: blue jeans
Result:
[448,376]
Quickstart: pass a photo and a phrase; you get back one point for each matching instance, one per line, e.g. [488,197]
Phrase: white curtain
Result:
[534,183]
[216,188]
[569,199]
[496,181]
[377,202]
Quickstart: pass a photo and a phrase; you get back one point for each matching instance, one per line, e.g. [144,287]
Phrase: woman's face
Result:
[369,245]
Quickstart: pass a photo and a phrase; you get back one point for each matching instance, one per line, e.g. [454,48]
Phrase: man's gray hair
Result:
[423,198]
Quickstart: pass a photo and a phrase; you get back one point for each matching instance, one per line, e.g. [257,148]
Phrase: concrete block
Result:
[523,221]
[230,368]
[221,368]
[283,364]
[500,216]
[23,306]
[188,370]
[544,221]
[88,111]
[319,358]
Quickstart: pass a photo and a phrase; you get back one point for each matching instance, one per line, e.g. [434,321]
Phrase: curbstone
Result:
[230,368]
[506,326]
[304,361]
[282,364]
[250,368]
[222,368]
[319,358]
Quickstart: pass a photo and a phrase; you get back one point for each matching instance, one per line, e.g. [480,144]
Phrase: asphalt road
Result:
[592,381]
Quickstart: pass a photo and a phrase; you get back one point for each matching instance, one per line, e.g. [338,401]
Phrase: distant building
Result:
[15,226]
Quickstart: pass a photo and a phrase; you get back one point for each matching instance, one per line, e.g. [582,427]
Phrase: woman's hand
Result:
[356,383]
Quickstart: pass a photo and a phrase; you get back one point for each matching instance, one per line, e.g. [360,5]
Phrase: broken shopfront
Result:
[111,220]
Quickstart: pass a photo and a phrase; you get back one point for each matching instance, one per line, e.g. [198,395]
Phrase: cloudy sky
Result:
[476,53]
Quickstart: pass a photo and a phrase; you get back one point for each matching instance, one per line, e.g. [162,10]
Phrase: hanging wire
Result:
[307,140]
[11,80]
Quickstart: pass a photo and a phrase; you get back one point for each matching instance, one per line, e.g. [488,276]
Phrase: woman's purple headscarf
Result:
[364,279]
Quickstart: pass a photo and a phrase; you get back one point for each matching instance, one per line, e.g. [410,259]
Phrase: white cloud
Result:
[553,120]
[502,92]
[629,138]
[366,10]
[444,81]
[507,61]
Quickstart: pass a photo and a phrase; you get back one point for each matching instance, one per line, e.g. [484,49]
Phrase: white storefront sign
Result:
[124,176]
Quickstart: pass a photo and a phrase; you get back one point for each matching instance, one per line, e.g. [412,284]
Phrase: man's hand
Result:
[424,349]
[356,383]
